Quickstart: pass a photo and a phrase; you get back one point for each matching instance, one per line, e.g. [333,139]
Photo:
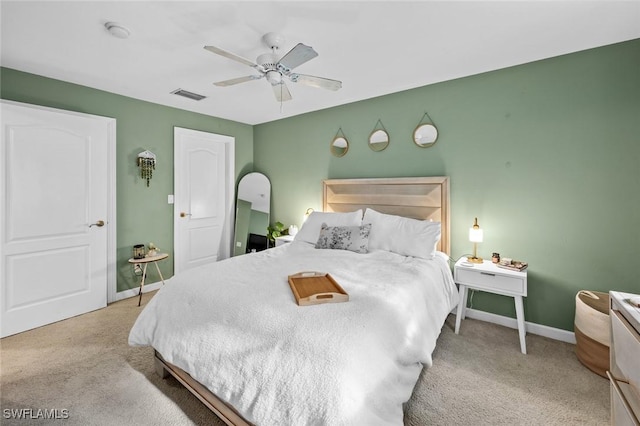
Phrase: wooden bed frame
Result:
[425,198]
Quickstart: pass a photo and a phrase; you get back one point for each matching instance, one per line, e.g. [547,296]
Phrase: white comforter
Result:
[235,327]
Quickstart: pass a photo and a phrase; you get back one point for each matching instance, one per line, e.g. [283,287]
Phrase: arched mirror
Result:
[425,135]
[339,146]
[252,214]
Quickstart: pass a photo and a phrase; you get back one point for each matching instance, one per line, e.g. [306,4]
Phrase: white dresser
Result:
[625,360]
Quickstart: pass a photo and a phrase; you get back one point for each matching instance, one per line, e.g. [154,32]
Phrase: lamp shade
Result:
[475,235]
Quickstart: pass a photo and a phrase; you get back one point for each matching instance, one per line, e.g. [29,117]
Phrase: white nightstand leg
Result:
[465,298]
[521,326]
[462,305]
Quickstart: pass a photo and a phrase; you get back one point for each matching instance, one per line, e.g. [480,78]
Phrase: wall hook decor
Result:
[147,162]
[379,138]
[339,144]
[425,133]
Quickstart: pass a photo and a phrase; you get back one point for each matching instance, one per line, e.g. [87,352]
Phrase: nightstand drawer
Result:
[490,281]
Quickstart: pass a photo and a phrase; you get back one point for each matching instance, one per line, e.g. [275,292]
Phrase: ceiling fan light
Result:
[274,77]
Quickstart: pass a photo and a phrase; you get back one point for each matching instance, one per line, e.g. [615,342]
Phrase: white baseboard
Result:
[530,327]
[133,292]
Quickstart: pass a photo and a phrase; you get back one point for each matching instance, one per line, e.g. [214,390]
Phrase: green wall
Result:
[259,222]
[546,155]
[143,214]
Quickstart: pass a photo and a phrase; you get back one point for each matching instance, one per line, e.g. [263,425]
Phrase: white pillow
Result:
[408,237]
[310,230]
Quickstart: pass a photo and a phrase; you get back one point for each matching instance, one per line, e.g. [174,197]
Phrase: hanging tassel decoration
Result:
[147,166]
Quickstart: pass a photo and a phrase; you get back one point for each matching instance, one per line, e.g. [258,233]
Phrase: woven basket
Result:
[592,330]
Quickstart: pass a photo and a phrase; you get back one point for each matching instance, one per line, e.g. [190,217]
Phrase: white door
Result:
[204,188]
[54,172]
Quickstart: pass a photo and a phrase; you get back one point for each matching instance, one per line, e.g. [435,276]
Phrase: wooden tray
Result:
[312,288]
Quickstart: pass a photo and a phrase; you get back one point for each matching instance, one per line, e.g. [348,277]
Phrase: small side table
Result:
[490,278]
[146,261]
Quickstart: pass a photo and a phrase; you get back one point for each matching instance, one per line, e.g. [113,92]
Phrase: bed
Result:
[232,333]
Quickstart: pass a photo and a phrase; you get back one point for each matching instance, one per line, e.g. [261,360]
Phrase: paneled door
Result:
[204,197]
[55,215]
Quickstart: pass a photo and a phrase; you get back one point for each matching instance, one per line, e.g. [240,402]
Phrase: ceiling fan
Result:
[274,70]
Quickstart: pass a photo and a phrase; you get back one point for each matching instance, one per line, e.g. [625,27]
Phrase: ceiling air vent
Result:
[187,94]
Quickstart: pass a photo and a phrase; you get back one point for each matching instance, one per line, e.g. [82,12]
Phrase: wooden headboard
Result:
[424,198]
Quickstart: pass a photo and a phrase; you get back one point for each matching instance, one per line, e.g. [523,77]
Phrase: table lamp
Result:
[475,236]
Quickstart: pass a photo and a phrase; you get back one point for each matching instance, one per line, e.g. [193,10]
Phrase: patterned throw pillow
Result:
[353,238]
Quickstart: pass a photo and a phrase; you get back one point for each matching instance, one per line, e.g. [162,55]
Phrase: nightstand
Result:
[280,241]
[488,277]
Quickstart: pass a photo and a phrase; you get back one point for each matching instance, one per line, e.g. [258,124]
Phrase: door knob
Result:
[99,224]
[183,214]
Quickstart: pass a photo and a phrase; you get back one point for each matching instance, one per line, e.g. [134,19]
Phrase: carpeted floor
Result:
[84,369]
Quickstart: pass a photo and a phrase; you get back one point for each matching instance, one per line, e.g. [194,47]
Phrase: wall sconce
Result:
[147,162]
[475,236]
[306,214]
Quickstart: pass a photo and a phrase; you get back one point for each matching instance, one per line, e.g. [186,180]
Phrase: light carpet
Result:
[84,367]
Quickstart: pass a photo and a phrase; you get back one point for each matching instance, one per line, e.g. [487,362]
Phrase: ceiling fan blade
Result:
[233,56]
[309,80]
[297,56]
[282,92]
[238,80]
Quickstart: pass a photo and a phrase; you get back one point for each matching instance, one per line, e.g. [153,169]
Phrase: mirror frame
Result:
[334,149]
[425,122]
[379,143]
[428,144]
[251,179]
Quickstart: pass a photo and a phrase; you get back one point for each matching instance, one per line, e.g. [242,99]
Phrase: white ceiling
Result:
[374,48]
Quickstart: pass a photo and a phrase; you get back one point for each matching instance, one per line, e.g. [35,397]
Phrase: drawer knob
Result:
[488,273]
